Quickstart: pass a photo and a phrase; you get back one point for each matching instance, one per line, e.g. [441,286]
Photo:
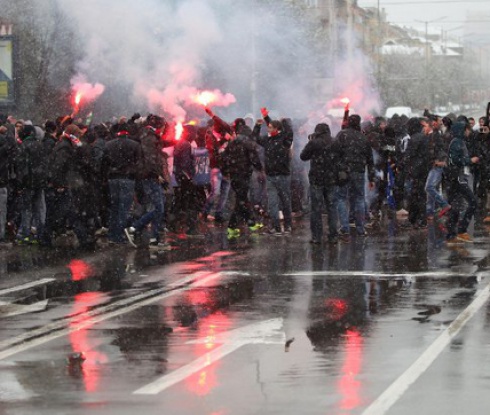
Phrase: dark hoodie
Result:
[8,148]
[458,152]
[322,159]
[240,156]
[417,157]
[31,159]
[356,153]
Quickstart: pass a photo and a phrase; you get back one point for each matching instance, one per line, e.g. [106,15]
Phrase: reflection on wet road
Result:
[259,325]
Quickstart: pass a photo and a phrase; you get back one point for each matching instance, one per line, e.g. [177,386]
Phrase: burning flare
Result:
[216,97]
[346,102]
[78,98]
[179,129]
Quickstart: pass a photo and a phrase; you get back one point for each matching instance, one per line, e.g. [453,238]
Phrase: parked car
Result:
[390,111]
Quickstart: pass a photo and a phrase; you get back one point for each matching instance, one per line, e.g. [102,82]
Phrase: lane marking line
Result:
[188,370]
[396,390]
[262,332]
[60,329]
[26,286]
[376,274]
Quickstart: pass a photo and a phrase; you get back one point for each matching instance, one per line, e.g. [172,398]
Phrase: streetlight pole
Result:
[427,83]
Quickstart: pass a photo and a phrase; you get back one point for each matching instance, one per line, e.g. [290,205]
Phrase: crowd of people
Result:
[134,180]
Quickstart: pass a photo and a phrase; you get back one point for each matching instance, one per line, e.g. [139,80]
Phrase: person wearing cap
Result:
[355,155]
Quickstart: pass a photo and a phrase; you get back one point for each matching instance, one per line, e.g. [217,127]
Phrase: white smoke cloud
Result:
[154,55]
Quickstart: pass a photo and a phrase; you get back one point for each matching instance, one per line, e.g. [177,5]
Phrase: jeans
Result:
[318,196]
[355,191]
[62,210]
[154,192]
[432,184]
[242,211]
[279,193]
[33,211]
[3,211]
[121,198]
[220,187]
[460,194]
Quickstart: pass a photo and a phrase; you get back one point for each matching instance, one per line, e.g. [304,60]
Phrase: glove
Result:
[264,112]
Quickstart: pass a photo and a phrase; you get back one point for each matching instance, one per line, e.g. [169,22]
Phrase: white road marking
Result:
[12,309]
[26,286]
[59,329]
[264,332]
[396,390]
[434,274]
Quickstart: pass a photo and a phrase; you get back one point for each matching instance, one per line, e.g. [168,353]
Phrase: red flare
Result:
[78,98]
[346,102]
[179,129]
[205,98]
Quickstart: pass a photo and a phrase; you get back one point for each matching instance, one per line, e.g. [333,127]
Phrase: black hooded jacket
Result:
[277,151]
[417,157]
[322,156]
[8,149]
[31,167]
[240,157]
[355,151]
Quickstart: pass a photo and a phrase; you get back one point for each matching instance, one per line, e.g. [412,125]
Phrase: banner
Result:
[6,70]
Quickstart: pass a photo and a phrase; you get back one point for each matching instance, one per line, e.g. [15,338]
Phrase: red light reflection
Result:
[349,386]
[336,308]
[80,270]
[203,382]
[82,343]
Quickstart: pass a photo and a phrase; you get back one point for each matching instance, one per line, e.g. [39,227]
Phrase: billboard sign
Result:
[6,70]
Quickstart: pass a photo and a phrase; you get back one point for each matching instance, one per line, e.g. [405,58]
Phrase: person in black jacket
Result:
[322,156]
[277,145]
[239,159]
[31,181]
[417,164]
[7,154]
[153,174]
[122,157]
[65,184]
[356,155]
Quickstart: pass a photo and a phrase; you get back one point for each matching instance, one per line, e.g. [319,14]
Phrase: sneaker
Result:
[362,234]
[160,246]
[315,241]
[401,213]
[102,231]
[454,241]
[129,232]
[275,231]
[344,236]
[464,237]
[256,227]
[288,230]
[444,211]
[233,233]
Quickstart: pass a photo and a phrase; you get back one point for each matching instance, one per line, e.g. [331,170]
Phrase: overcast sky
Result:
[455,13]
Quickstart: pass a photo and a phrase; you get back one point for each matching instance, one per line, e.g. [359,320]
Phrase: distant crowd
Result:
[135,180]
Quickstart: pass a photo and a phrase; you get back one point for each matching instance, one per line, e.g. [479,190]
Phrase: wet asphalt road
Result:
[394,323]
